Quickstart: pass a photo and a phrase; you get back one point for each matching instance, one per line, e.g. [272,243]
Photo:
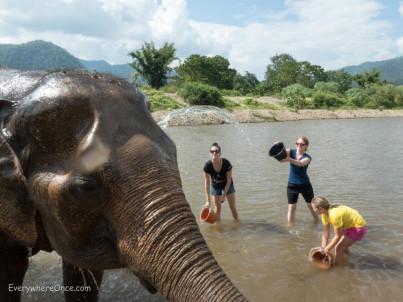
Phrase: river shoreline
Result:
[282,115]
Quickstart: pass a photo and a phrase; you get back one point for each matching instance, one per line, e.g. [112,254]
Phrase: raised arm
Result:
[300,162]
[287,159]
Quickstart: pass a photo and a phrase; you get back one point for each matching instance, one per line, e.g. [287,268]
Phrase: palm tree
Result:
[153,64]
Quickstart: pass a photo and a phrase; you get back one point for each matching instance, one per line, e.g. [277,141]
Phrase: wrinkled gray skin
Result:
[85,171]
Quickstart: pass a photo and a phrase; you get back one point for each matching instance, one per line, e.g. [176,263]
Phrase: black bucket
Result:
[278,151]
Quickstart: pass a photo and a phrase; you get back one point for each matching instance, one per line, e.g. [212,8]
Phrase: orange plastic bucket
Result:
[208,215]
[320,260]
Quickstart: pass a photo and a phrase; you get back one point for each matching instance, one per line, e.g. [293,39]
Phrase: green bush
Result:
[159,101]
[357,97]
[376,96]
[327,87]
[263,88]
[296,96]
[201,94]
[322,99]
[384,96]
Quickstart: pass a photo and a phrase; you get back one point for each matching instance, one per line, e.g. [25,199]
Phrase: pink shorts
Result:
[355,234]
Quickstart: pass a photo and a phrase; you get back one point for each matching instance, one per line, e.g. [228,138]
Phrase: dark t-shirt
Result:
[298,175]
[219,179]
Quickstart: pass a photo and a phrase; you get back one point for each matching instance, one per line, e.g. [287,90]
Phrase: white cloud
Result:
[325,32]
[401,8]
[400,44]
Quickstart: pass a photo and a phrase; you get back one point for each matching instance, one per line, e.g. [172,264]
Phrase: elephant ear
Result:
[17,214]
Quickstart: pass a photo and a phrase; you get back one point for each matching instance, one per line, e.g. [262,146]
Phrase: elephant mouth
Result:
[99,252]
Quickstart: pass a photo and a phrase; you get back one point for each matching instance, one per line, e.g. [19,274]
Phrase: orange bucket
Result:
[320,260]
[208,215]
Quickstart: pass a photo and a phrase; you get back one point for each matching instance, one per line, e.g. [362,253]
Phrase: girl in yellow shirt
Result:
[349,226]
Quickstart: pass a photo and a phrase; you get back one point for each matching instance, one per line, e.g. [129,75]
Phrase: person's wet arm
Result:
[207,189]
[228,184]
[337,236]
[300,162]
[325,235]
[287,159]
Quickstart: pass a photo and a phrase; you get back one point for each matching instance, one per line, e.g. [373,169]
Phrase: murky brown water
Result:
[356,162]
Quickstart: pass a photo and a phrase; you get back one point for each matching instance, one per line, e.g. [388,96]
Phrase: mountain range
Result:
[41,55]
[391,70]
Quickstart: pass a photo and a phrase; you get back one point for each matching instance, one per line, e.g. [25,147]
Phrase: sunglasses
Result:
[300,144]
[214,151]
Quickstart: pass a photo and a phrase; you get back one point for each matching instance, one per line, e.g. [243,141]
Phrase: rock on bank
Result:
[281,115]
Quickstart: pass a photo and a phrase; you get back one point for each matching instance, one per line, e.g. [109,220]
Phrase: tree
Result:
[309,74]
[367,78]
[213,71]
[282,72]
[342,78]
[245,83]
[153,64]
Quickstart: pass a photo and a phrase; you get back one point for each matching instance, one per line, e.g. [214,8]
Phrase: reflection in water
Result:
[265,259]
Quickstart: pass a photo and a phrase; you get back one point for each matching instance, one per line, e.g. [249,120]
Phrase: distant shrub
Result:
[376,96]
[296,96]
[263,88]
[159,101]
[384,96]
[322,99]
[201,94]
[327,87]
[357,97]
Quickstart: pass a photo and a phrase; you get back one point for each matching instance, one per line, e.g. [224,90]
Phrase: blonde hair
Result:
[305,139]
[323,203]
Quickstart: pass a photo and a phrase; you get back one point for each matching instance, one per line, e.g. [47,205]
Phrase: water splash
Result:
[196,116]
[200,115]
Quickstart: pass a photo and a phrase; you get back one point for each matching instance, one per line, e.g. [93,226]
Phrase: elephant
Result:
[86,172]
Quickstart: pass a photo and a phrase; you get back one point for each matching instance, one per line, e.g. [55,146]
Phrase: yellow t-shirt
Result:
[343,217]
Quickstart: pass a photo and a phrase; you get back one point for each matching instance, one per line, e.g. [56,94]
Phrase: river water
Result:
[355,162]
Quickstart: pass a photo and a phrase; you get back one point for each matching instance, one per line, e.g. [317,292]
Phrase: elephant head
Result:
[81,152]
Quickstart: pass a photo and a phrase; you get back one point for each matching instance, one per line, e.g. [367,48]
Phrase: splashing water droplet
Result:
[200,115]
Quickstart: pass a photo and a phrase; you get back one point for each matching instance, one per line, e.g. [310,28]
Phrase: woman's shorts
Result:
[355,234]
[218,191]
[294,190]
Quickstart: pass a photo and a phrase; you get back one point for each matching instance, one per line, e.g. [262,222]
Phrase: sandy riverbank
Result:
[281,115]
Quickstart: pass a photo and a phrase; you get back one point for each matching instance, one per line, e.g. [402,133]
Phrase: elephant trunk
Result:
[171,254]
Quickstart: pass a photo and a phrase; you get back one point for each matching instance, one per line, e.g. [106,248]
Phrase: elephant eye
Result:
[84,185]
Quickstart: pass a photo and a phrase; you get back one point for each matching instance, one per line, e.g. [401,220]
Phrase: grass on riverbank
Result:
[161,101]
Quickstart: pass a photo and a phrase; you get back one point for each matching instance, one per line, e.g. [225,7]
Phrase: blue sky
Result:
[329,33]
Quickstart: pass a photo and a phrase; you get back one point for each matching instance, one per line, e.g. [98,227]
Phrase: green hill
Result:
[121,70]
[37,55]
[41,55]
[391,70]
